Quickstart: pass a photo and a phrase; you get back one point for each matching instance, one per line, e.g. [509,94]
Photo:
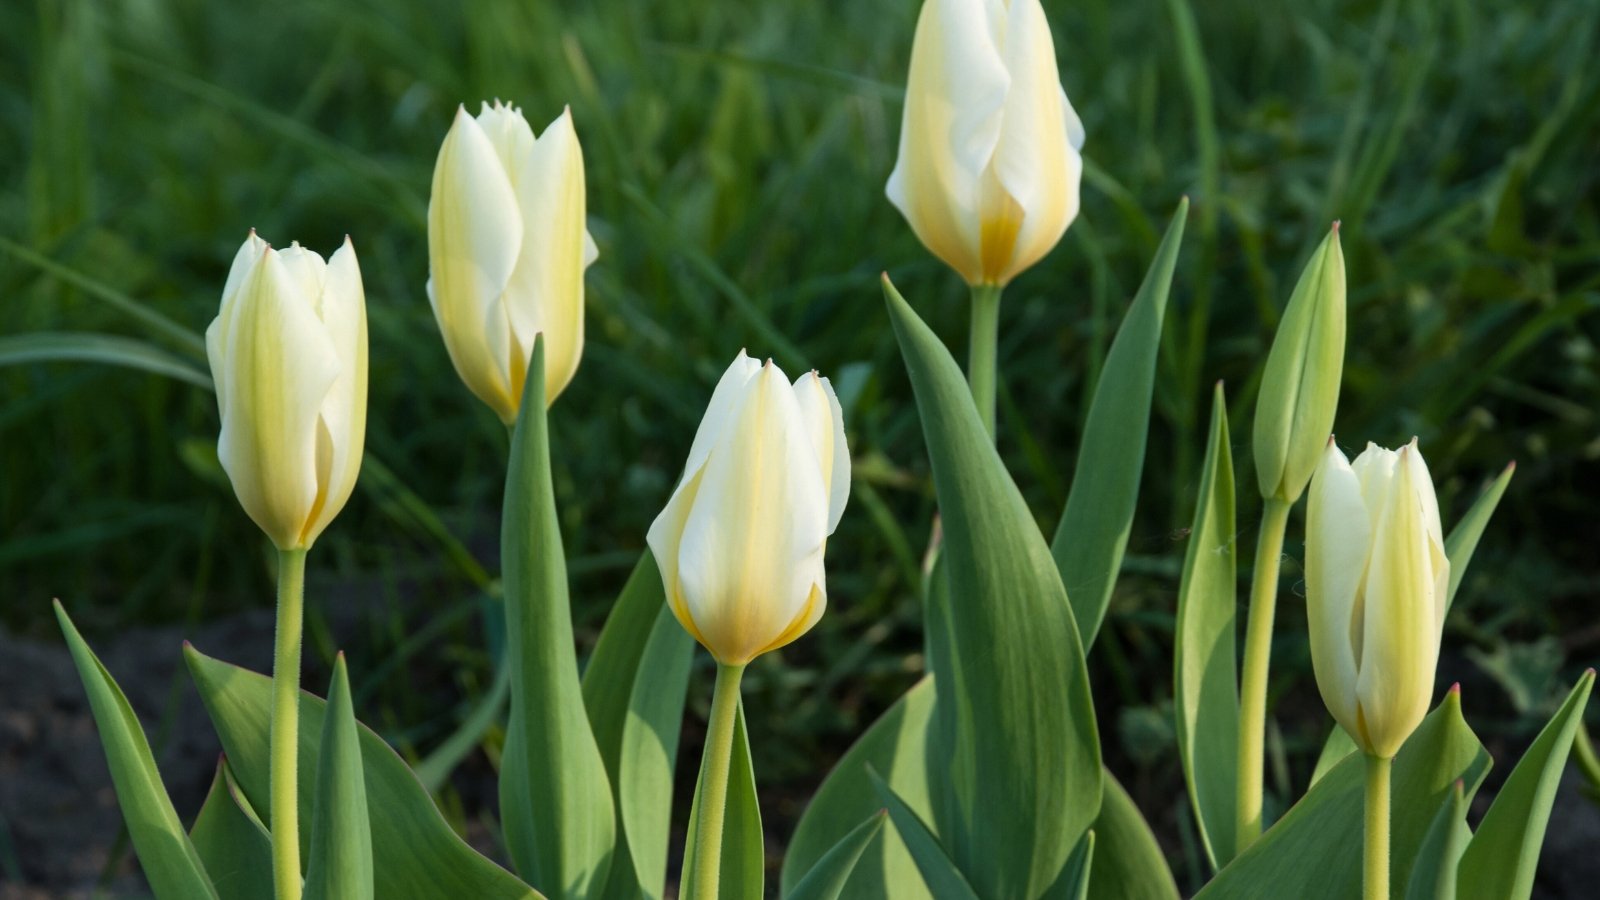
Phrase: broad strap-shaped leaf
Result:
[1500,861]
[232,842]
[634,689]
[895,745]
[1463,539]
[827,878]
[169,859]
[555,798]
[743,852]
[416,854]
[650,751]
[1314,851]
[1014,742]
[1206,688]
[940,875]
[340,865]
[1128,863]
[1433,873]
[1093,532]
[1073,882]
[1458,547]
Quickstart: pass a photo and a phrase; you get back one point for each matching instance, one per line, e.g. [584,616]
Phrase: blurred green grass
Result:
[736,157]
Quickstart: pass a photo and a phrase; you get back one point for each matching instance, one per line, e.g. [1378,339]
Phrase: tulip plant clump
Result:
[985,780]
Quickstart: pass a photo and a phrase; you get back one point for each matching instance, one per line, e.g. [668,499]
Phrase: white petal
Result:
[725,399]
[753,541]
[824,421]
[249,253]
[1401,645]
[280,366]
[545,294]
[955,92]
[1034,160]
[474,238]
[308,270]
[344,410]
[1338,532]
[510,135]
[1374,467]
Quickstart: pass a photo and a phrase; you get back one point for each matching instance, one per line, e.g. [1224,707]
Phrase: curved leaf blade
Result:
[106,349]
[650,750]
[555,797]
[1128,863]
[827,878]
[1433,874]
[232,842]
[1314,851]
[1015,740]
[340,864]
[1093,531]
[1500,861]
[169,859]
[416,854]
[1463,539]
[895,745]
[1204,665]
[944,881]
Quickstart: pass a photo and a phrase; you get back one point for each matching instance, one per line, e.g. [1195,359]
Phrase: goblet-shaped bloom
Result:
[740,543]
[288,353]
[1376,582]
[507,248]
[989,169]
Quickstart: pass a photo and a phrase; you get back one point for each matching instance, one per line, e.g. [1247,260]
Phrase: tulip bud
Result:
[1376,582]
[288,354]
[989,168]
[740,543]
[507,247]
[1300,387]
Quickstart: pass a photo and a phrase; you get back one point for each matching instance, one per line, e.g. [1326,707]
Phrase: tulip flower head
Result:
[1376,583]
[989,168]
[507,248]
[288,353]
[740,543]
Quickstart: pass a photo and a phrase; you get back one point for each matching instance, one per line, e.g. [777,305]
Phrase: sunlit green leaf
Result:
[340,863]
[939,873]
[743,853]
[235,846]
[827,878]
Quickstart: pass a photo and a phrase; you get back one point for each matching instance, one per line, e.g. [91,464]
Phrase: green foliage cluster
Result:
[736,158]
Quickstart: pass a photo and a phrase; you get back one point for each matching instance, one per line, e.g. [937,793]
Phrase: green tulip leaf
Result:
[650,750]
[615,696]
[416,855]
[1458,547]
[943,880]
[743,851]
[1204,667]
[1014,739]
[827,878]
[1128,863]
[555,797]
[1073,882]
[170,861]
[1093,532]
[235,846]
[895,745]
[1500,861]
[1314,851]
[1433,873]
[340,867]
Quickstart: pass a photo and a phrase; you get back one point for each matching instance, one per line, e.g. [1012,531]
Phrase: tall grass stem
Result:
[984,340]
[714,768]
[283,780]
[1257,658]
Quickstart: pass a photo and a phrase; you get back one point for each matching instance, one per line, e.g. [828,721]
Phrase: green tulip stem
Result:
[285,740]
[714,769]
[984,338]
[1253,681]
[1375,878]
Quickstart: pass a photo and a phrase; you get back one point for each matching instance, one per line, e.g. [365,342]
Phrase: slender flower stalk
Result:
[714,769]
[283,778]
[1375,855]
[1253,677]
[984,341]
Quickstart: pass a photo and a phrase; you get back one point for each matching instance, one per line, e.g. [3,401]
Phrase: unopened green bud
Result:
[1300,388]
